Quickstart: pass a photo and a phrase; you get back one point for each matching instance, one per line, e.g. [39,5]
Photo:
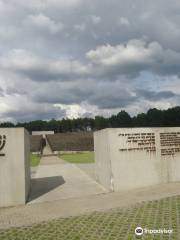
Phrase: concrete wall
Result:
[43,133]
[128,158]
[103,170]
[14,167]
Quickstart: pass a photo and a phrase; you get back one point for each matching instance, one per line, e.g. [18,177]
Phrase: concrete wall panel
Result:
[137,157]
[14,167]
[102,165]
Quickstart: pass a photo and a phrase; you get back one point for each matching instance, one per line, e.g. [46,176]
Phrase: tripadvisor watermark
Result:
[139,231]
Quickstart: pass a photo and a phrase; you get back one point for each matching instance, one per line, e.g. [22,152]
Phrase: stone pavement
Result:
[47,150]
[61,181]
[51,160]
[88,168]
[46,211]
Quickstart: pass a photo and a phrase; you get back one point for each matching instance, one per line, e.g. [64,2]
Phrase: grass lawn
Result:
[35,159]
[116,224]
[83,157]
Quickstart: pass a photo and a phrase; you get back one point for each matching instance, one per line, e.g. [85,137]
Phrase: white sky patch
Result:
[164,105]
[170,85]
[121,54]
[78,110]
[4,107]
[46,4]
[25,61]
[63,3]
[85,109]
[145,105]
[4,7]
[72,111]
[19,58]
[80,27]
[7,33]
[124,21]
[43,22]
[95,19]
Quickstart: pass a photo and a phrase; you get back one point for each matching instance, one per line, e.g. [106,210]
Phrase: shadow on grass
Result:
[41,186]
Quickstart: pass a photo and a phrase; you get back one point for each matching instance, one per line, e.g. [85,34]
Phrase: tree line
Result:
[152,118]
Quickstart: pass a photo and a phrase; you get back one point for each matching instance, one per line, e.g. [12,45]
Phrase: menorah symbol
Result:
[2,143]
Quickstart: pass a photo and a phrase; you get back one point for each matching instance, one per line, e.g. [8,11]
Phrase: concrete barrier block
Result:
[14,166]
[128,158]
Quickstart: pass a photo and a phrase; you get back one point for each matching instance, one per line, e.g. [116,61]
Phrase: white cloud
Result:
[133,51]
[105,61]
[68,52]
[124,21]
[136,56]
[63,4]
[80,27]
[72,110]
[95,19]
[43,22]
[38,68]
[4,107]
[19,59]
[22,108]
[7,33]
[46,4]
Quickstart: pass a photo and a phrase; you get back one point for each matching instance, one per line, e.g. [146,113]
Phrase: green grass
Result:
[83,157]
[116,224]
[35,159]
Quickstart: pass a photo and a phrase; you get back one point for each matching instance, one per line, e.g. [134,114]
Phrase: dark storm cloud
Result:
[13,90]
[104,95]
[154,96]
[23,115]
[62,94]
[1,92]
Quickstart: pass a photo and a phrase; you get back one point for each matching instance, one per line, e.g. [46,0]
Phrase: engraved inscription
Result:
[2,144]
[139,142]
[170,143]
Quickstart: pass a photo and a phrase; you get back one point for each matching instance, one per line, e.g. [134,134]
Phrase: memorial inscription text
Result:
[139,141]
[170,143]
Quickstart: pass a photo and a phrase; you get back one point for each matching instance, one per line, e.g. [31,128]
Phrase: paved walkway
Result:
[51,160]
[47,149]
[61,181]
[88,168]
[36,213]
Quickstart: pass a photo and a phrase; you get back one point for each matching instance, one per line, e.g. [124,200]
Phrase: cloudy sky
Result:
[86,57]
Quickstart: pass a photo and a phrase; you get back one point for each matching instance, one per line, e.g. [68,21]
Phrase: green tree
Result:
[155,117]
[172,117]
[123,119]
[6,125]
[100,122]
[140,120]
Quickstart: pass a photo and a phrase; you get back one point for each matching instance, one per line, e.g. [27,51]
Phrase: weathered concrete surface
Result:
[49,160]
[46,211]
[14,167]
[88,168]
[47,149]
[43,133]
[61,181]
[128,158]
